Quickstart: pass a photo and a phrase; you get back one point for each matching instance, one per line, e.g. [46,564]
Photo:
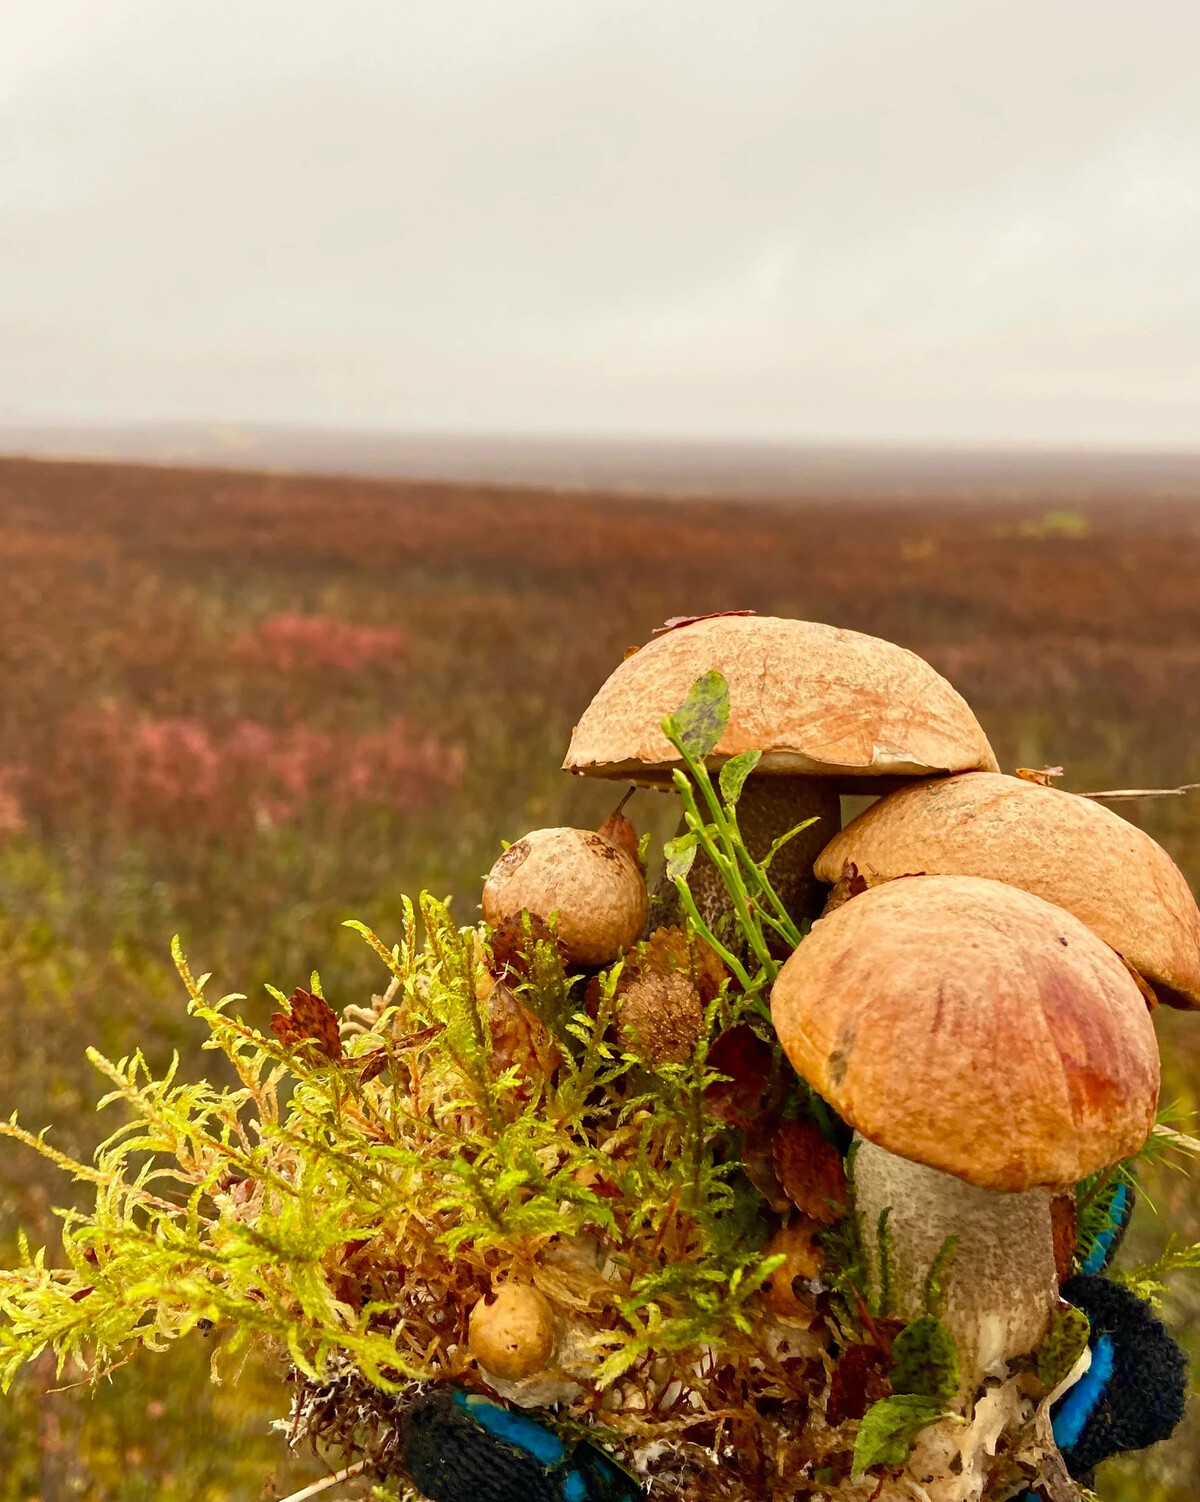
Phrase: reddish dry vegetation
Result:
[247,706]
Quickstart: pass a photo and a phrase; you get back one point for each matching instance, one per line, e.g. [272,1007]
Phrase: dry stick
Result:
[319,1486]
[1188,787]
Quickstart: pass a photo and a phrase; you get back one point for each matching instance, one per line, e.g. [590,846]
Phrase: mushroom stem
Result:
[769,806]
[1002,1286]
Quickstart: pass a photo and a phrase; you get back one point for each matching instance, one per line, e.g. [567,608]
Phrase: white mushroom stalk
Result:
[1001,1286]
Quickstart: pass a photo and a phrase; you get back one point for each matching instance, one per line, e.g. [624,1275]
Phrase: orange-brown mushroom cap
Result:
[974,1028]
[1070,850]
[814,699]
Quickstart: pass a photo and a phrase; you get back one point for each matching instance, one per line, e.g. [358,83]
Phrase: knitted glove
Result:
[1134,1392]
[459,1447]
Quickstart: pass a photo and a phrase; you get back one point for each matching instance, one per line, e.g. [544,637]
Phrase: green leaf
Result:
[680,854]
[700,720]
[889,1430]
[925,1361]
[885,1242]
[1063,1346]
[778,844]
[734,774]
[935,1278]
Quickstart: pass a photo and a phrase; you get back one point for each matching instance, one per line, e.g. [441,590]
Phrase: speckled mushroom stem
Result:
[770,805]
[1002,1286]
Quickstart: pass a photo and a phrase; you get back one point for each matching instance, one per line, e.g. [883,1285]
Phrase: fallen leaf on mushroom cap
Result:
[1043,776]
[811,1171]
[309,1020]
[851,883]
[677,622]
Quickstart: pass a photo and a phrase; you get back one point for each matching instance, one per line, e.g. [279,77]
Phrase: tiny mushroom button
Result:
[830,711]
[989,1049]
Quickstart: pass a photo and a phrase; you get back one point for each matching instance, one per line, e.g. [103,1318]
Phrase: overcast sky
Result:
[797,219]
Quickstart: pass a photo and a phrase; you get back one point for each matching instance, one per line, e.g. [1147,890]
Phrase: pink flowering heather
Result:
[290,641]
[12,814]
[179,772]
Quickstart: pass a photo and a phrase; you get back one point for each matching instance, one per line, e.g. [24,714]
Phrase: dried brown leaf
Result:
[512,941]
[661,1016]
[1043,776]
[860,1378]
[669,951]
[621,832]
[519,1037]
[742,1055]
[811,1171]
[309,1020]
[676,622]
[1063,1225]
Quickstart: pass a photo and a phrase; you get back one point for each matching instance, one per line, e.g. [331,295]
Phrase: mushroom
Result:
[595,888]
[511,1332]
[989,1050]
[1070,850]
[830,710]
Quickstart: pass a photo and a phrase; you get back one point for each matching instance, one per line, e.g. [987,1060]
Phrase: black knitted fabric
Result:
[1144,1400]
[451,1459]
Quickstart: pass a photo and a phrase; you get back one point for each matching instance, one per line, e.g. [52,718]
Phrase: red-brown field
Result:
[245,707]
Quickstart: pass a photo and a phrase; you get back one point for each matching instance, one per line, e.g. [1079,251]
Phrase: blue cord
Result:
[1077,1406]
[1098,1256]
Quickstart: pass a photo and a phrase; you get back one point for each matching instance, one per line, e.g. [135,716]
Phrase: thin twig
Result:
[1178,1139]
[1115,793]
[320,1486]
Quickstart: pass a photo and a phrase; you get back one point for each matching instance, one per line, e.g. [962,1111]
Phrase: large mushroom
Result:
[989,1050]
[1070,850]
[830,710]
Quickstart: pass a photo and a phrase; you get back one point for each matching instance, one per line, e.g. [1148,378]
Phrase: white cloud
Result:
[902,218]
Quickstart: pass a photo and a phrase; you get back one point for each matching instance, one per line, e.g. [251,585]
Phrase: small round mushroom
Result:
[989,1049]
[511,1332]
[593,888]
[1070,850]
[831,711]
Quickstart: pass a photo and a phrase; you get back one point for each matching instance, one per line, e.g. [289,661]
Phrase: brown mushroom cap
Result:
[1072,851]
[596,889]
[814,699]
[974,1028]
